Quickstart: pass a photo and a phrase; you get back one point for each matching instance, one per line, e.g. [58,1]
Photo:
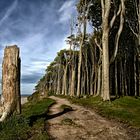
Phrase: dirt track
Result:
[83,124]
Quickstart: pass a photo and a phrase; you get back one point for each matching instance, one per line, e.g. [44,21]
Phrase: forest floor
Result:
[80,123]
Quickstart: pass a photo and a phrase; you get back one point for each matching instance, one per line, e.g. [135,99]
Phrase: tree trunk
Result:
[64,90]
[79,73]
[18,86]
[73,83]
[139,48]
[106,5]
[80,52]
[10,82]
[69,79]
[91,81]
[58,80]
[125,78]
[116,79]
[99,81]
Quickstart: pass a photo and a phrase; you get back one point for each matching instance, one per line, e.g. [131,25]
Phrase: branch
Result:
[103,8]
[137,8]
[115,15]
[98,45]
[119,31]
[132,29]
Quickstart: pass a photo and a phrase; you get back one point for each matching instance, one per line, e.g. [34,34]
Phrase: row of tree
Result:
[105,63]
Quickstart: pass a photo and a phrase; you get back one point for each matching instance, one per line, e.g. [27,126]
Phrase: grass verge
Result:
[125,109]
[31,124]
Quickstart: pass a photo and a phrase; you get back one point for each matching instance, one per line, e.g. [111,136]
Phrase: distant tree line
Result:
[105,63]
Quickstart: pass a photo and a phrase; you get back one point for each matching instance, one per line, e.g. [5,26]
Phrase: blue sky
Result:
[39,28]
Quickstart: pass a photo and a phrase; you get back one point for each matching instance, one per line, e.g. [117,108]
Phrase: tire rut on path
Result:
[82,124]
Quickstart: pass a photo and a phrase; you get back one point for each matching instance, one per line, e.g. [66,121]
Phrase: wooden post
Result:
[11,81]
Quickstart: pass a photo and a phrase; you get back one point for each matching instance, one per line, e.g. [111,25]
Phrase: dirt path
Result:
[83,124]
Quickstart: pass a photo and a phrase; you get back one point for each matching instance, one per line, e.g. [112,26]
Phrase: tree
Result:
[133,20]
[106,26]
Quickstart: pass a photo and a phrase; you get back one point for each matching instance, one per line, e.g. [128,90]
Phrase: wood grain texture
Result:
[11,80]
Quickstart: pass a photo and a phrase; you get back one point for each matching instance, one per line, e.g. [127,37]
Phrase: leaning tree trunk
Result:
[11,100]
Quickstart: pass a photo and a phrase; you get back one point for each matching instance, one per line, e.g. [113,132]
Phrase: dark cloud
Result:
[30,79]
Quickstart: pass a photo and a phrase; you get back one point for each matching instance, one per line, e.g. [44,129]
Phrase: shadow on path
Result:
[34,118]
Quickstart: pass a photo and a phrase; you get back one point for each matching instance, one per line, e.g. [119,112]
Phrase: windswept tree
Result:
[104,63]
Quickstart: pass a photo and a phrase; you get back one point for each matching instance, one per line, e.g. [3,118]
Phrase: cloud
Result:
[39,28]
[35,66]
[27,88]
[31,79]
[67,10]
[9,11]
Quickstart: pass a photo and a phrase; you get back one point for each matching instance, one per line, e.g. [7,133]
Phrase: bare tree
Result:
[106,26]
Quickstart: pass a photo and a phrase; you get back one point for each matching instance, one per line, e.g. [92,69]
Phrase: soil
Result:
[84,124]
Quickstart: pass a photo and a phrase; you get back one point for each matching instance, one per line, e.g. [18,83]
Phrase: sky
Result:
[39,28]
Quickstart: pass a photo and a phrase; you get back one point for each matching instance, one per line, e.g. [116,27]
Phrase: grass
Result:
[15,128]
[125,109]
[36,108]
[30,124]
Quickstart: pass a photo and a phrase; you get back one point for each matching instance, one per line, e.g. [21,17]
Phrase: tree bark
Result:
[80,52]
[99,81]
[10,82]
[106,5]
[116,79]
[58,80]
[117,38]
[73,83]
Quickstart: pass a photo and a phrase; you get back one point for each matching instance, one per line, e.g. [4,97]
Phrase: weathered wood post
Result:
[11,81]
